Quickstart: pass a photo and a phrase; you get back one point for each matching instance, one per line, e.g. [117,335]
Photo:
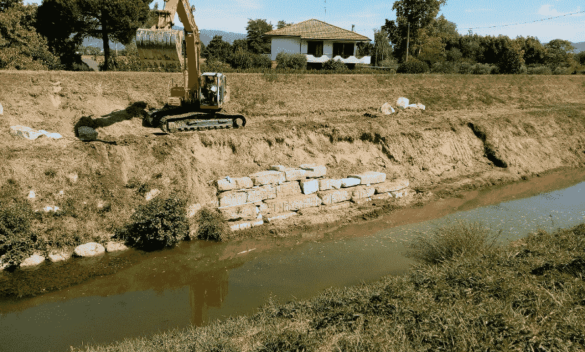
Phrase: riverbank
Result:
[527,295]
[475,132]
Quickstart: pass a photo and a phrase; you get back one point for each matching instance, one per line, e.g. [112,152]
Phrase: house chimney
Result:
[352,27]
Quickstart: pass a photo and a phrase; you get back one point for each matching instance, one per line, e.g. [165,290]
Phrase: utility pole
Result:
[407,41]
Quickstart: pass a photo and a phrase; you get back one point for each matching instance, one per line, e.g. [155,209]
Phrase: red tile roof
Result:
[315,29]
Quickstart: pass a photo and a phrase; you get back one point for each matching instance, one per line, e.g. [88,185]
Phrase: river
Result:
[198,281]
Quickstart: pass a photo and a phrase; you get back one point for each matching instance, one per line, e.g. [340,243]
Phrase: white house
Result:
[319,41]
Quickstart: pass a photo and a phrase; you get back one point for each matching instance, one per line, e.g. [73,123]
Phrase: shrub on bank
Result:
[413,66]
[291,61]
[158,223]
[212,225]
[450,242]
[16,237]
[539,70]
[334,65]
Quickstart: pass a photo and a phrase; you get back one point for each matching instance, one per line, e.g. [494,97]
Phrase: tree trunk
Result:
[106,39]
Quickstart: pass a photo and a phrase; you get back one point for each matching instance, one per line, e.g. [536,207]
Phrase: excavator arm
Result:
[162,46]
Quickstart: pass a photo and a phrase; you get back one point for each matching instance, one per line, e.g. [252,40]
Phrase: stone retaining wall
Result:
[283,192]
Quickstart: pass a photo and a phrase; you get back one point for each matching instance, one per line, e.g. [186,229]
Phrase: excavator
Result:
[196,105]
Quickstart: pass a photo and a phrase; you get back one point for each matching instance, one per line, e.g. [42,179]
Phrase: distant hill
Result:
[579,46]
[206,36]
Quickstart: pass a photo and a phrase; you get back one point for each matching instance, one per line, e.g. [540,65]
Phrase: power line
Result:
[516,24]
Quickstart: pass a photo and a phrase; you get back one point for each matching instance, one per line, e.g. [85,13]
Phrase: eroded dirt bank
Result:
[476,131]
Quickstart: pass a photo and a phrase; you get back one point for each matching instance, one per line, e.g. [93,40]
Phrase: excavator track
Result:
[197,121]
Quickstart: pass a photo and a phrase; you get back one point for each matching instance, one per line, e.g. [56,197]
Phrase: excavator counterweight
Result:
[196,104]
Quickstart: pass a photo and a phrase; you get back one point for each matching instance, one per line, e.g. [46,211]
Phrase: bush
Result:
[449,242]
[443,67]
[334,65]
[211,65]
[465,68]
[212,225]
[580,57]
[242,60]
[262,61]
[292,61]
[413,66]
[539,70]
[16,237]
[483,69]
[159,223]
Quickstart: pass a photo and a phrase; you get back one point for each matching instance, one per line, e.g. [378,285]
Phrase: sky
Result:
[233,15]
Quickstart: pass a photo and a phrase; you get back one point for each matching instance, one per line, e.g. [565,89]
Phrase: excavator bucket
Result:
[160,47]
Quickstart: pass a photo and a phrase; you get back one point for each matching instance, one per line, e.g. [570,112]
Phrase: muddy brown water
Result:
[199,282]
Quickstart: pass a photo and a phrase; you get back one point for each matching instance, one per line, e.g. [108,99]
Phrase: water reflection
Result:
[207,290]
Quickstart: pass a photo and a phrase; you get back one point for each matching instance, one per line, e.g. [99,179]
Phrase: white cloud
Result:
[548,10]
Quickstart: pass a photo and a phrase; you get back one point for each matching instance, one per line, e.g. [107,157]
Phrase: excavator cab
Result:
[212,90]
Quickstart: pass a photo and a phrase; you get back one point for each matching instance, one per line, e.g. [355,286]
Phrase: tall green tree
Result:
[282,24]
[534,51]
[60,22]
[559,53]
[382,49]
[217,49]
[21,47]
[418,13]
[115,20]
[257,42]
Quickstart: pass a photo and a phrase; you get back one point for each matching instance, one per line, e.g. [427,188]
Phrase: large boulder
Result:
[151,194]
[402,102]
[113,246]
[360,192]
[294,174]
[229,183]
[309,186]
[267,177]
[59,256]
[334,196]
[314,171]
[87,133]
[387,109]
[260,193]
[370,177]
[350,182]
[288,189]
[281,205]
[240,212]
[32,261]
[90,249]
[327,184]
[231,198]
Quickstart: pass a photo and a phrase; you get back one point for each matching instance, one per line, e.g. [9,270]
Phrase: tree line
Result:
[50,36]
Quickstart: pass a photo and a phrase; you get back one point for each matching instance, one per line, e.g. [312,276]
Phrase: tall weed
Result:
[452,241]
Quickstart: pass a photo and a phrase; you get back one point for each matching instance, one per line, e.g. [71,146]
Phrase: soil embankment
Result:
[476,131]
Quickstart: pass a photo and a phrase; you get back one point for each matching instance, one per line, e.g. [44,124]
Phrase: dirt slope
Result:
[476,130]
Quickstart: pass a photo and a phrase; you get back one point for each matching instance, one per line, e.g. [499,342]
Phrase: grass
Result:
[527,296]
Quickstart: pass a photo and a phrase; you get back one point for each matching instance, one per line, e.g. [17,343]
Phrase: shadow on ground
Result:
[133,110]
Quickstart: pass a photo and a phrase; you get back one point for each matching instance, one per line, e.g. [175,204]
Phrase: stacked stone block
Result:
[283,192]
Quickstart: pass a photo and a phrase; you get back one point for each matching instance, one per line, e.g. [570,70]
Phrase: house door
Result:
[315,48]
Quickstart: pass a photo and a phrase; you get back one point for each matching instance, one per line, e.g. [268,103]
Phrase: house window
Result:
[315,48]
[344,50]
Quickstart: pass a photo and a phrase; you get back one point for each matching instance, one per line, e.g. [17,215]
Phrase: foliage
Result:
[16,236]
[580,58]
[534,51]
[60,22]
[239,45]
[334,65]
[257,42]
[365,49]
[115,20]
[217,49]
[282,24]
[160,222]
[413,66]
[291,61]
[382,49]
[212,225]
[246,60]
[484,69]
[558,53]
[419,13]
[432,40]
[451,242]
[443,67]
[21,47]
[539,70]
[215,66]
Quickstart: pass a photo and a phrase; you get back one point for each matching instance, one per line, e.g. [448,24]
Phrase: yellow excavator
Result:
[196,105]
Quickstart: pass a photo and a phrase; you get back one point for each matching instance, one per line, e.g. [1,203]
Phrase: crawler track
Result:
[178,121]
